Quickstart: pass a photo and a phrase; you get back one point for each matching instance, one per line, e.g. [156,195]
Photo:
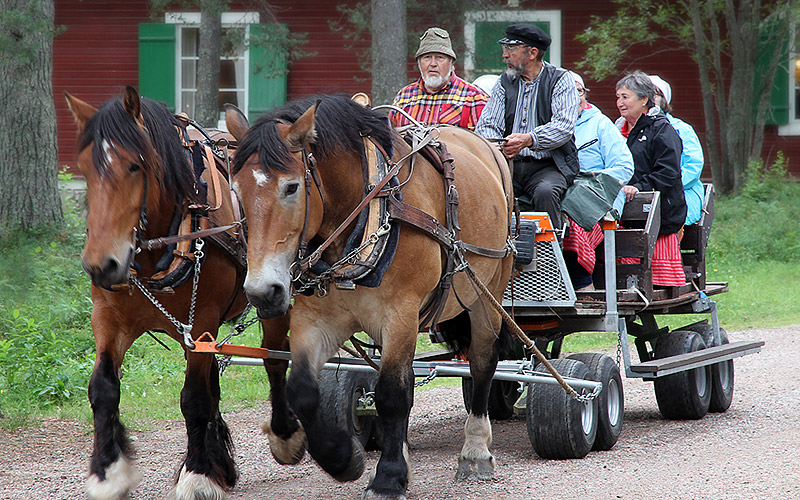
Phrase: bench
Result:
[695,241]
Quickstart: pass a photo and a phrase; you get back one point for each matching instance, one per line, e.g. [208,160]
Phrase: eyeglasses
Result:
[581,91]
[512,48]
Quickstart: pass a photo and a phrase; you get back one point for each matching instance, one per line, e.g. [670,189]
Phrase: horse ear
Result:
[236,122]
[131,103]
[302,132]
[81,110]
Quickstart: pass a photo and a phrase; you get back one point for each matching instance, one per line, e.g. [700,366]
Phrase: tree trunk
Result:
[207,98]
[388,49]
[28,166]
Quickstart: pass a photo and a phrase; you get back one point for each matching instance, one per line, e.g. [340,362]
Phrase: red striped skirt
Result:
[583,243]
[667,264]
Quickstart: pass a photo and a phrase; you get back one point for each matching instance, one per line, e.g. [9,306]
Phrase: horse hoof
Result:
[286,451]
[355,468]
[475,469]
[374,495]
[193,486]
[121,478]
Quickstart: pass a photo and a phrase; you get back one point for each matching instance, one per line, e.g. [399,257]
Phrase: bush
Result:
[761,223]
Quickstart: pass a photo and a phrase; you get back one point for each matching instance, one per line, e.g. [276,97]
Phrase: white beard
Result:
[436,82]
[514,72]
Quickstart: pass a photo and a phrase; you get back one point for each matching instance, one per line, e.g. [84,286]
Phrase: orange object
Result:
[207,343]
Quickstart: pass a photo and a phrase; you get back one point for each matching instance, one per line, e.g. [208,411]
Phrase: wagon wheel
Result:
[685,395]
[502,396]
[722,378]
[610,402]
[340,392]
[559,426]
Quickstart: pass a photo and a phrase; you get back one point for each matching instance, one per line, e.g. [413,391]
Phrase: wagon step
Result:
[709,356]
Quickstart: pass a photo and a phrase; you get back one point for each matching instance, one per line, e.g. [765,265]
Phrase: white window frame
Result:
[793,127]
[229,19]
[553,17]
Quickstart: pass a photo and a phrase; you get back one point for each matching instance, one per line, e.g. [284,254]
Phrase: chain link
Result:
[427,380]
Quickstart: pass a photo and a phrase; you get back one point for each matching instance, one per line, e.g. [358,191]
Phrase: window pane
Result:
[227,74]
[189,38]
[187,103]
[189,74]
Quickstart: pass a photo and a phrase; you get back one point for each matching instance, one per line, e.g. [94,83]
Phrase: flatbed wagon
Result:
[691,366]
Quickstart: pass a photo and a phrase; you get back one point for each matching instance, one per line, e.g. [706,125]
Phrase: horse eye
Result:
[135,167]
[292,188]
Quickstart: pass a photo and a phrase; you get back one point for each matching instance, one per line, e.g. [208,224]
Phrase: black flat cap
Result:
[527,34]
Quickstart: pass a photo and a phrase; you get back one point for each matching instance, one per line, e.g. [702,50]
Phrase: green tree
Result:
[28,166]
[737,46]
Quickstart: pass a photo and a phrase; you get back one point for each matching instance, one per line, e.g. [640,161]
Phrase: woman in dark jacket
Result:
[656,150]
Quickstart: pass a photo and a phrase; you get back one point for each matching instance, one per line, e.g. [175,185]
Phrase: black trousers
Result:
[544,184]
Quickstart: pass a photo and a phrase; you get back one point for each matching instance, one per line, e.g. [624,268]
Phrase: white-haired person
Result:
[601,149]
[438,96]
[656,150]
[692,158]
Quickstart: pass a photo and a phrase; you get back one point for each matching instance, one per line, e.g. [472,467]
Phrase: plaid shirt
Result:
[458,103]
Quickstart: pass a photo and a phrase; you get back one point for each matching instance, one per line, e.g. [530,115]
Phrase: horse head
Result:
[271,182]
[121,166]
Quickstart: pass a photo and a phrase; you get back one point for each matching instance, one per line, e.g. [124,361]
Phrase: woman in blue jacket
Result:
[692,156]
[601,148]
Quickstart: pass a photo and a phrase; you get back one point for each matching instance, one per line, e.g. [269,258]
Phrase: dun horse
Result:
[139,182]
[298,173]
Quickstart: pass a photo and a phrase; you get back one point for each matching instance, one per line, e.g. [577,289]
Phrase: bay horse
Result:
[139,179]
[324,141]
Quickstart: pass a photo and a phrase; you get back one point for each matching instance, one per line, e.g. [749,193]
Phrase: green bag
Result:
[590,197]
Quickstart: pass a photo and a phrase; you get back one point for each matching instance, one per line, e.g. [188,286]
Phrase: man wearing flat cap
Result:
[533,109]
[438,96]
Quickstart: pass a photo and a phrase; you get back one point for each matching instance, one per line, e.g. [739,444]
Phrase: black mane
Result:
[340,123]
[113,124]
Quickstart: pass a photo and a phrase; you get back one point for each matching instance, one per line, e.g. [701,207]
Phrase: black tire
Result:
[560,427]
[610,402]
[502,396]
[339,392]
[722,378]
[685,395]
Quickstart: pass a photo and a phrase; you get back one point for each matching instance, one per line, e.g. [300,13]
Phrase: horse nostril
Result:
[274,293]
[111,266]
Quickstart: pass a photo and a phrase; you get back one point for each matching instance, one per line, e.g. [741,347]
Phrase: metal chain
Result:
[183,329]
[619,349]
[427,380]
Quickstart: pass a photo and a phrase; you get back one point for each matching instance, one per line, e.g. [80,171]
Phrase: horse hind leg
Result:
[111,473]
[287,439]
[209,467]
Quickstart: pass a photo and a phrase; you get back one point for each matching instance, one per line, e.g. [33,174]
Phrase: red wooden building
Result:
[107,45]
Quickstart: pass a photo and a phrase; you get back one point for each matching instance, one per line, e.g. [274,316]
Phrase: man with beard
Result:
[438,96]
[532,112]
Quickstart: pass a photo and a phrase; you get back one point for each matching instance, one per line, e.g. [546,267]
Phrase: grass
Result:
[47,349]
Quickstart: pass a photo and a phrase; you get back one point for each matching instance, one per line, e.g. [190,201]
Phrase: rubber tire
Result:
[339,391]
[685,395]
[555,421]
[502,396]
[722,373]
[610,402]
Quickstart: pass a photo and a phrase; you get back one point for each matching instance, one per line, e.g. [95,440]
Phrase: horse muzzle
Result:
[270,301]
[107,271]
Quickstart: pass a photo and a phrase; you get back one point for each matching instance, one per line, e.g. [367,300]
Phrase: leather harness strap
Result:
[215,183]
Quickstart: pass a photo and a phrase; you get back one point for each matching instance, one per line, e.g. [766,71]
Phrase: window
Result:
[232,77]
[482,30]
[785,97]
[168,55]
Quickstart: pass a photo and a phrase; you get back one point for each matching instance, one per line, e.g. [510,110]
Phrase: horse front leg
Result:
[339,454]
[209,467]
[287,439]
[111,473]
[394,397]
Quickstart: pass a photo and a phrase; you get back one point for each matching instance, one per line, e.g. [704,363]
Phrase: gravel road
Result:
[750,452]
